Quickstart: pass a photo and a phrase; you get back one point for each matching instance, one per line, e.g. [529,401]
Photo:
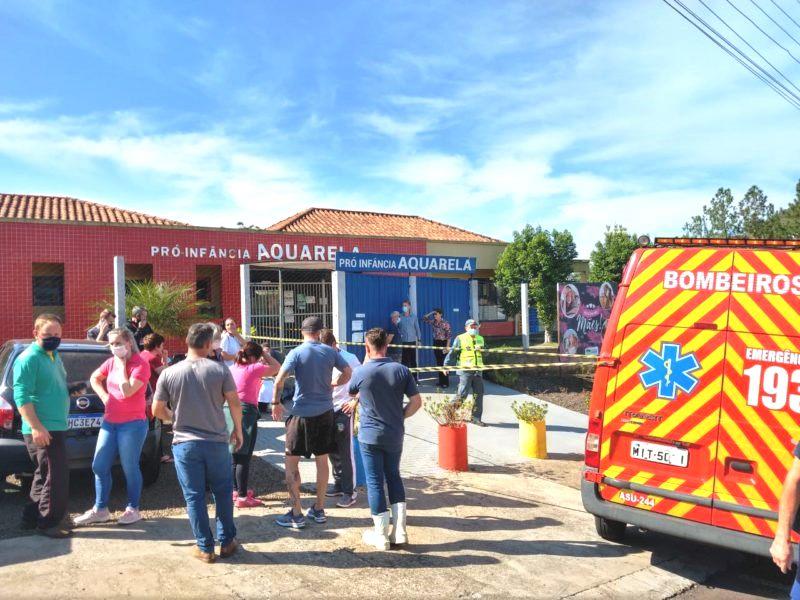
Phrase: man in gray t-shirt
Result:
[195,391]
[192,394]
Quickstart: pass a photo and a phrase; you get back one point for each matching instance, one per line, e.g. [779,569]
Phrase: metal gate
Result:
[278,309]
[452,296]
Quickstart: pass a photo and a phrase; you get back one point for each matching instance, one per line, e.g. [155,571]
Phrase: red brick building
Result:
[56,253]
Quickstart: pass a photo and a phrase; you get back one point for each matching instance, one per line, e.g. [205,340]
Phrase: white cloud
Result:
[404,131]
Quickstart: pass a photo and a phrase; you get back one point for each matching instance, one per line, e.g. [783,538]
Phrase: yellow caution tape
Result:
[484,350]
[498,367]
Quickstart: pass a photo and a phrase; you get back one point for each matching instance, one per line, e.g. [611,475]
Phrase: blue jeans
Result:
[382,464]
[795,592]
[197,464]
[126,440]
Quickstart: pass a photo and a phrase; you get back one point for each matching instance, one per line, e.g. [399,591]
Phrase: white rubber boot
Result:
[399,535]
[378,536]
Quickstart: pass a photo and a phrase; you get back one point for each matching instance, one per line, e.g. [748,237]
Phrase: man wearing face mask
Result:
[410,335]
[42,397]
[139,326]
[467,352]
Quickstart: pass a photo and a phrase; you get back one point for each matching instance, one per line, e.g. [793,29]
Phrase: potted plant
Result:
[452,415]
[532,431]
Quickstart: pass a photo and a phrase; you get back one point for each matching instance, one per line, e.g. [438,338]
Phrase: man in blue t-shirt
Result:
[380,385]
[310,428]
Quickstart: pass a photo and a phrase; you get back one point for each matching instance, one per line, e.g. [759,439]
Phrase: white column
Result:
[244,299]
[119,291]
[474,312]
[339,305]
[525,316]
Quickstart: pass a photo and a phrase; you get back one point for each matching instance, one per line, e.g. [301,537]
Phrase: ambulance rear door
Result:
[659,436]
[760,418]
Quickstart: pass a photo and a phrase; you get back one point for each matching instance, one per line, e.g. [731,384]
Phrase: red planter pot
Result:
[453,447]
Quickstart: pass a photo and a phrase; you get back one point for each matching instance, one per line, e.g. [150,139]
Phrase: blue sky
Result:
[486,115]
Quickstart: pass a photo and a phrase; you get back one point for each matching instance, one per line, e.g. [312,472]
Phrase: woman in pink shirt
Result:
[250,366]
[121,383]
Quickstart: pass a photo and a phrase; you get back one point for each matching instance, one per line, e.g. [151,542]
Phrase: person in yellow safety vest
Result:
[466,353]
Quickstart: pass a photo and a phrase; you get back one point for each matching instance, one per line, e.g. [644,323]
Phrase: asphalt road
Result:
[758,578]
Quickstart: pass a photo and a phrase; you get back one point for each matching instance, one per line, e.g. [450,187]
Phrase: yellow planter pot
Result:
[532,439]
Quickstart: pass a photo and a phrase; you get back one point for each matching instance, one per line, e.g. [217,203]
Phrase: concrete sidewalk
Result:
[495,445]
[498,532]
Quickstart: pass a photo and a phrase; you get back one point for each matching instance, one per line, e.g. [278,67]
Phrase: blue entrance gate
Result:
[452,296]
[370,299]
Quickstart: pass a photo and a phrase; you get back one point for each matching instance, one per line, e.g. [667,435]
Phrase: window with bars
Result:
[489,308]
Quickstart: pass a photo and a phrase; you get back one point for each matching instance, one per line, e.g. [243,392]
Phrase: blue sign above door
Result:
[362,262]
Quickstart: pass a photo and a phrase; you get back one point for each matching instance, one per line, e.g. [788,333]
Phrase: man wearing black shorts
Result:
[310,428]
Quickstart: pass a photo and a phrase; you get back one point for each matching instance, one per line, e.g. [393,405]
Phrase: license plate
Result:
[85,422]
[666,455]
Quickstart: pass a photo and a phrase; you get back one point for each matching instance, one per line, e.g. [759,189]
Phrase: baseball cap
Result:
[312,324]
[471,322]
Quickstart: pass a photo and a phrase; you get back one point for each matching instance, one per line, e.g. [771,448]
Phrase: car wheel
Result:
[613,531]
[151,467]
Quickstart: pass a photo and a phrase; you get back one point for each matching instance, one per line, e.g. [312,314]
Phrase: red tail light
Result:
[593,442]
[6,416]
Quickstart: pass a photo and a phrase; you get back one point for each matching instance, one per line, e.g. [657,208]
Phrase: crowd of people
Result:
[211,398]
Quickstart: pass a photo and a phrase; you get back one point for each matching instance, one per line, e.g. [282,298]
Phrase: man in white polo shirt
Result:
[342,459]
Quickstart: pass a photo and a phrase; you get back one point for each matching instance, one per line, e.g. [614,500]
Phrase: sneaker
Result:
[317,515]
[93,515]
[333,492]
[252,501]
[130,516]
[291,520]
[478,422]
[347,501]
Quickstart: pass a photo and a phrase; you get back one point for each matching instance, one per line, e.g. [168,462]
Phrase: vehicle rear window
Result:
[79,367]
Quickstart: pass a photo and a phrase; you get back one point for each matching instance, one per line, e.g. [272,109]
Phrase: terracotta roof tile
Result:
[359,223]
[60,208]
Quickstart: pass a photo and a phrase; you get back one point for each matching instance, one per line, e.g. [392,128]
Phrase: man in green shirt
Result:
[42,397]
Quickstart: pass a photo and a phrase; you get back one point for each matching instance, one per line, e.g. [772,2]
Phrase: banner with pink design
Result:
[583,312]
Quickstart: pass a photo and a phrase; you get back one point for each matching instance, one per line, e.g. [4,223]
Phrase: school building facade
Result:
[56,255]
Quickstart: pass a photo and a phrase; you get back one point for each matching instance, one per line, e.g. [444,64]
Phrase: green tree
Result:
[718,219]
[753,216]
[786,222]
[609,257]
[543,259]
[757,214]
[171,306]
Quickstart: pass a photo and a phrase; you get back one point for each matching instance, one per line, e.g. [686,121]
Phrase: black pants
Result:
[410,356]
[50,488]
[241,459]
[444,380]
[342,457]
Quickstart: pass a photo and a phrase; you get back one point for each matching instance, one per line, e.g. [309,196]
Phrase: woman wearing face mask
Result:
[121,383]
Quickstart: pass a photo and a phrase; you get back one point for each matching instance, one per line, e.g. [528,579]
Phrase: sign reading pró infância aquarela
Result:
[404,263]
[276,251]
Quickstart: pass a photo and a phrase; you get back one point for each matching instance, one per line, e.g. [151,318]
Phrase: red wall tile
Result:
[87,253]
